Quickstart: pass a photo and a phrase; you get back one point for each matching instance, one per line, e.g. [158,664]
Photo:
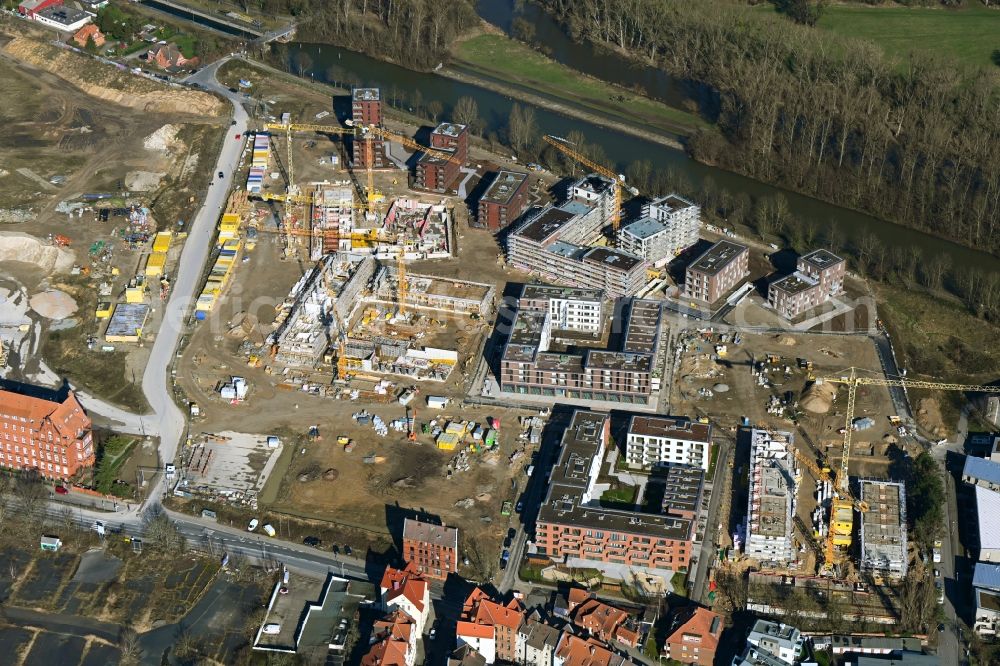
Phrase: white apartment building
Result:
[668,225]
[771,502]
[781,641]
[666,440]
[569,308]
[596,191]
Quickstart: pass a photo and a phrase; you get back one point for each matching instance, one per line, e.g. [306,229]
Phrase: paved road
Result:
[167,419]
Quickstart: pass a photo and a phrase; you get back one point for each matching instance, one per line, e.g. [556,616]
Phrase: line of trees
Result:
[415,33]
[832,116]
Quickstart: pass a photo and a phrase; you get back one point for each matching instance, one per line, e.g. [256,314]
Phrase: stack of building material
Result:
[218,279]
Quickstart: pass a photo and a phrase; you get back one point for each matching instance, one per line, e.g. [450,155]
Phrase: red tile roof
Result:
[474,630]
[599,618]
[386,653]
[698,623]
[575,651]
[404,583]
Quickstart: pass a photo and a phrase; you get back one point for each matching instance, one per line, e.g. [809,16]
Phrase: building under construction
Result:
[436,293]
[311,316]
[332,219]
[771,502]
[419,230]
[883,528]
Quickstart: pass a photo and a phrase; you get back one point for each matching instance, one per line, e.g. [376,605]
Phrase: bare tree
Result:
[31,494]
[161,532]
[434,110]
[466,112]
[128,644]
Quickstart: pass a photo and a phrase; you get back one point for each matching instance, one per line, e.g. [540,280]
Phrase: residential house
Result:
[576,651]
[694,636]
[406,590]
[536,642]
[168,57]
[986,589]
[394,642]
[490,627]
[432,549]
[607,622]
[89,32]
[782,641]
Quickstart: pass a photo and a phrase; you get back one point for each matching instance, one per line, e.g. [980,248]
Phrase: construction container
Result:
[156,263]
[161,242]
[134,295]
[437,402]
[447,441]
[103,310]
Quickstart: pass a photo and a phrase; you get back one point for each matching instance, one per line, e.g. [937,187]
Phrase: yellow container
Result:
[134,295]
[103,310]
[156,263]
[161,243]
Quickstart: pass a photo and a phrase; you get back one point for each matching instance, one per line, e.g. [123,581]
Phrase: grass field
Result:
[509,60]
[969,35]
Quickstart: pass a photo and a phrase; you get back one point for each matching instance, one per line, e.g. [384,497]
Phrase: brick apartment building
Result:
[37,433]
[529,365]
[694,636]
[490,627]
[433,549]
[573,528]
[437,174]
[366,109]
[717,271]
[666,440]
[504,200]
[818,277]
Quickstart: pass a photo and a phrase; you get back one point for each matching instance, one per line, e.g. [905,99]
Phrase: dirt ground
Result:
[90,144]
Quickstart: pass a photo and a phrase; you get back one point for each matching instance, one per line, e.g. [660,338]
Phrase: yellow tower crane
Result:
[842,516]
[564,146]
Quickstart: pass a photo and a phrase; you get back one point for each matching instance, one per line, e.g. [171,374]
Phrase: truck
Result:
[530,470]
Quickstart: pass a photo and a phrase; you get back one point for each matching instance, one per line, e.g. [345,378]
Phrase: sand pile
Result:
[162,139]
[143,181]
[818,398]
[53,304]
[15,246]
[786,340]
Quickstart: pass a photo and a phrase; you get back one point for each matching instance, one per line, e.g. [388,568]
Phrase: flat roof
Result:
[581,450]
[594,182]
[794,283]
[670,426]
[982,469]
[365,94]
[645,228]
[683,488]
[547,223]
[883,526]
[550,291]
[988,600]
[986,575]
[63,14]
[504,186]
[449,129]
[127,319]
[564,249]
[822,259]
[988,510]
[616,360]
[717,257]
[623,261]
[642,326]
[672,203]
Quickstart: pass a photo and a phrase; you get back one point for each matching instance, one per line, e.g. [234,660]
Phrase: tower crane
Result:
[842,517]
[619,181]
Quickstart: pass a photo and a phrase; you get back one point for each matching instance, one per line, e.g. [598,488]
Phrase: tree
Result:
[523,29]
[805,12]
[466,112]
[91,45]
[31,493]
[161,532]
[302,63]
[128,644]
[521,128]
[434,110]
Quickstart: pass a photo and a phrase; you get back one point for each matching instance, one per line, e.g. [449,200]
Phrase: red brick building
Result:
[480,612]
[716,272]
[366,109]
[606,622]
[53,437]
[432,549]
[436,173]
[504,200]
[570,529]
[694,636]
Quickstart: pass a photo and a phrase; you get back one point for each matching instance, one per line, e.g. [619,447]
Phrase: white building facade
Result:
[664,440]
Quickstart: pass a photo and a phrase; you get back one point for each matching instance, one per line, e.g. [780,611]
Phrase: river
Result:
[331,64]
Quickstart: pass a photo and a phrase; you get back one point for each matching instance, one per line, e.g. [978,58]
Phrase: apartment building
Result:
[438,174]
[693,636]
[504,200]
[554,243]
[490,627]
[569,308]
[771,499]
[667,227]
[432,549]
[46,434]
[819,276]
[596,191]
[782,641]
[883,528]
[529,366]
[406,590]
[366,109]
[536,642]
[573,528]
[717,271]
[576,651]
[986,591]
[653,441]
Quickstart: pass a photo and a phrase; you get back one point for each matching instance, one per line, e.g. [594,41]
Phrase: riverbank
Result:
[496,58]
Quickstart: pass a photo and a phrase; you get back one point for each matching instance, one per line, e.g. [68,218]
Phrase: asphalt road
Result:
[167,419]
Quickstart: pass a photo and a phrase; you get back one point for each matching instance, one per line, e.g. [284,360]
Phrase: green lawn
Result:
[620,495]
[713,459]
[509,60]
[970,34]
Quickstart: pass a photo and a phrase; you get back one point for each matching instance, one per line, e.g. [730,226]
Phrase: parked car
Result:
[431,635]
[62,490]
[272,628]
[222,175]
[315,542]
[520,507]
[347,550]
[336,549]
[269,530]
[253,525]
